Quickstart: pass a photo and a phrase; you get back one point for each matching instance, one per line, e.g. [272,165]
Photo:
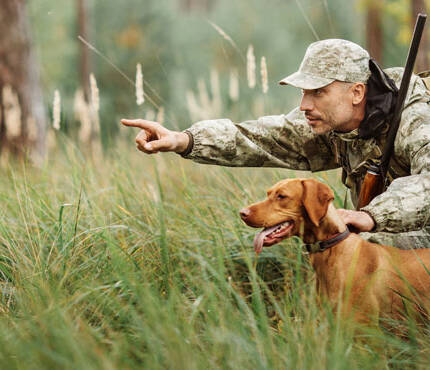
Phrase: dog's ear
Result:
[316,198]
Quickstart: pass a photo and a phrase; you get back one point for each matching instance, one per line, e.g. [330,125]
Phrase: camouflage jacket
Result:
[287,141]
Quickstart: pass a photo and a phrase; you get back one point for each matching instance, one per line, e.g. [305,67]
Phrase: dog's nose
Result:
[244,213]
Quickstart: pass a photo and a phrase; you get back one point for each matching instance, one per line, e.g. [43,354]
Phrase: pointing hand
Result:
[154,138]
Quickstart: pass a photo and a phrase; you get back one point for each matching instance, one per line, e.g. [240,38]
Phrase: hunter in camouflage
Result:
[401,214]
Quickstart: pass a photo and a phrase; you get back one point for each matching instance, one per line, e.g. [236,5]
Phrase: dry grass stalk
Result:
[222,32]
[4,158]
[95,100]
[32,129]
[82,113]
[95,145]
[225,36]
[140,96]
[12,113]
[216,93]
[263,71]
[150,189]
[203,96]
[51,141]
[95,103]
[150,115]
[193,107]
[203,105]
[56,110]
[258,106]
[160,115]
[233,90]
[250,58]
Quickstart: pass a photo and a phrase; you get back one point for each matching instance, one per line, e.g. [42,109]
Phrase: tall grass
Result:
[139,261]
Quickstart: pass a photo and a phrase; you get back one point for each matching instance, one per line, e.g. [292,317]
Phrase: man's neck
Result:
[359,113]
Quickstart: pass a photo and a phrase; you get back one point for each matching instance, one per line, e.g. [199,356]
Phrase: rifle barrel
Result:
[410,62]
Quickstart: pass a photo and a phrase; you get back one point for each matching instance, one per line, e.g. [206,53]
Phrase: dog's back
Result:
[374,280]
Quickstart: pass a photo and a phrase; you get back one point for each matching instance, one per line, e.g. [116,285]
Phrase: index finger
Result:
[141,123]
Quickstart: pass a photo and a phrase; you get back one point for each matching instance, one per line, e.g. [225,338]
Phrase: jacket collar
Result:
[346,136]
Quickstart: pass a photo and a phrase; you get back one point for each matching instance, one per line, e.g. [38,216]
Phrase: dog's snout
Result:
[244,213]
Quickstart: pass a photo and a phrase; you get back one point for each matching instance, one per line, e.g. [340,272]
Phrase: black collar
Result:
[381,97]
[322,245]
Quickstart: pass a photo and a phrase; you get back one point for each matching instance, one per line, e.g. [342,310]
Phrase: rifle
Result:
[374,180]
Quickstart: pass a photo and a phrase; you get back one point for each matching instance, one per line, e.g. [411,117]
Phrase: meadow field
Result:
[135,261]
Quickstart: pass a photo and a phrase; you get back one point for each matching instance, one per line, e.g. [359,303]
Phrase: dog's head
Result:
[292,206]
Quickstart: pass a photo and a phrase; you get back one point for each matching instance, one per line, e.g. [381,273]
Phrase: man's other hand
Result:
[154,138]
[360,220]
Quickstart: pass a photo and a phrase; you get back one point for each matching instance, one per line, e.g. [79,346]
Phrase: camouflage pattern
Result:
[287,141]
[328,60]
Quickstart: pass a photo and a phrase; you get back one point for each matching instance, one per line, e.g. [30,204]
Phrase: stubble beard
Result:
[328,124]
[323,127]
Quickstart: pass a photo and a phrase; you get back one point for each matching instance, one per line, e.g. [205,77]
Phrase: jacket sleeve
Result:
[272,141]
[405,205]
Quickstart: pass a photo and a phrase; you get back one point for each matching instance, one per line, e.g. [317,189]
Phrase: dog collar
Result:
[322,245]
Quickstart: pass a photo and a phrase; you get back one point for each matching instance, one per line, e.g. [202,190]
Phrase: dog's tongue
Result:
[259,238]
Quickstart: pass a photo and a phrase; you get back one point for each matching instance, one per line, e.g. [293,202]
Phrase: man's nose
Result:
[306,104]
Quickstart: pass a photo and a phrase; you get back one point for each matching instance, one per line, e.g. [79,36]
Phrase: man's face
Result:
[329,108]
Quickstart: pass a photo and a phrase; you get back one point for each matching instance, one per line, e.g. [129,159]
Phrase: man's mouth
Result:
[312,120]
[272,235]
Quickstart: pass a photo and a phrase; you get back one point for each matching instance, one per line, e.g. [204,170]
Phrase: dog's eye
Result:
[281,196]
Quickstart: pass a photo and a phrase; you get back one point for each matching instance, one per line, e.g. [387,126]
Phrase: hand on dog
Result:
[154,138]
[359,220]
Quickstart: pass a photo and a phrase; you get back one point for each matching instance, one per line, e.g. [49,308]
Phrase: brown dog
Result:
[369,280]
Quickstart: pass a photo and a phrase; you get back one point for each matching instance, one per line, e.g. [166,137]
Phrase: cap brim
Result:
[305,81]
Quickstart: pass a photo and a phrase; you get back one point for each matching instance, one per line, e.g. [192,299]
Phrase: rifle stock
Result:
[372,186]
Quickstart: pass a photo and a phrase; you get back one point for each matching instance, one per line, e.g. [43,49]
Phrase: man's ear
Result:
[316,198]
[359,93]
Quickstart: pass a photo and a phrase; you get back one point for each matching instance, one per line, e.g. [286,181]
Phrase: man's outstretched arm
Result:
[284,141]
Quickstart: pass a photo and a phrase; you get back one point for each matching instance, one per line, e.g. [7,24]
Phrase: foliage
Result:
[176,48]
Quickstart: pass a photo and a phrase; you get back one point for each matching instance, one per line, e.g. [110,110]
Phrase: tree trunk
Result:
[374,31]
[84,57]
[22,121]
[422,63]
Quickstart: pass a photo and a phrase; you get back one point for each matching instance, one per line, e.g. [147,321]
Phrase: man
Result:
[342,121]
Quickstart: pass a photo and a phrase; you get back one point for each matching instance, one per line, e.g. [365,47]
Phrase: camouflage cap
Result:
[328,60]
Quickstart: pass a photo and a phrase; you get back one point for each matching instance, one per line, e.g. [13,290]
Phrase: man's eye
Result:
[317,92]
[281,196]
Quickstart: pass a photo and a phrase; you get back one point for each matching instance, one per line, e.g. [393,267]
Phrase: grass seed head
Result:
[95,103]
[263,71]
[95,99]
[56,110]
[233,90]
[140,96]
[12,112]
[82,113]
[250,58]
[193,107]
[216,93]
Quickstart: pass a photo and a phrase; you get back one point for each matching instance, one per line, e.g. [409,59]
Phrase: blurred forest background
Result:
[192,52]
